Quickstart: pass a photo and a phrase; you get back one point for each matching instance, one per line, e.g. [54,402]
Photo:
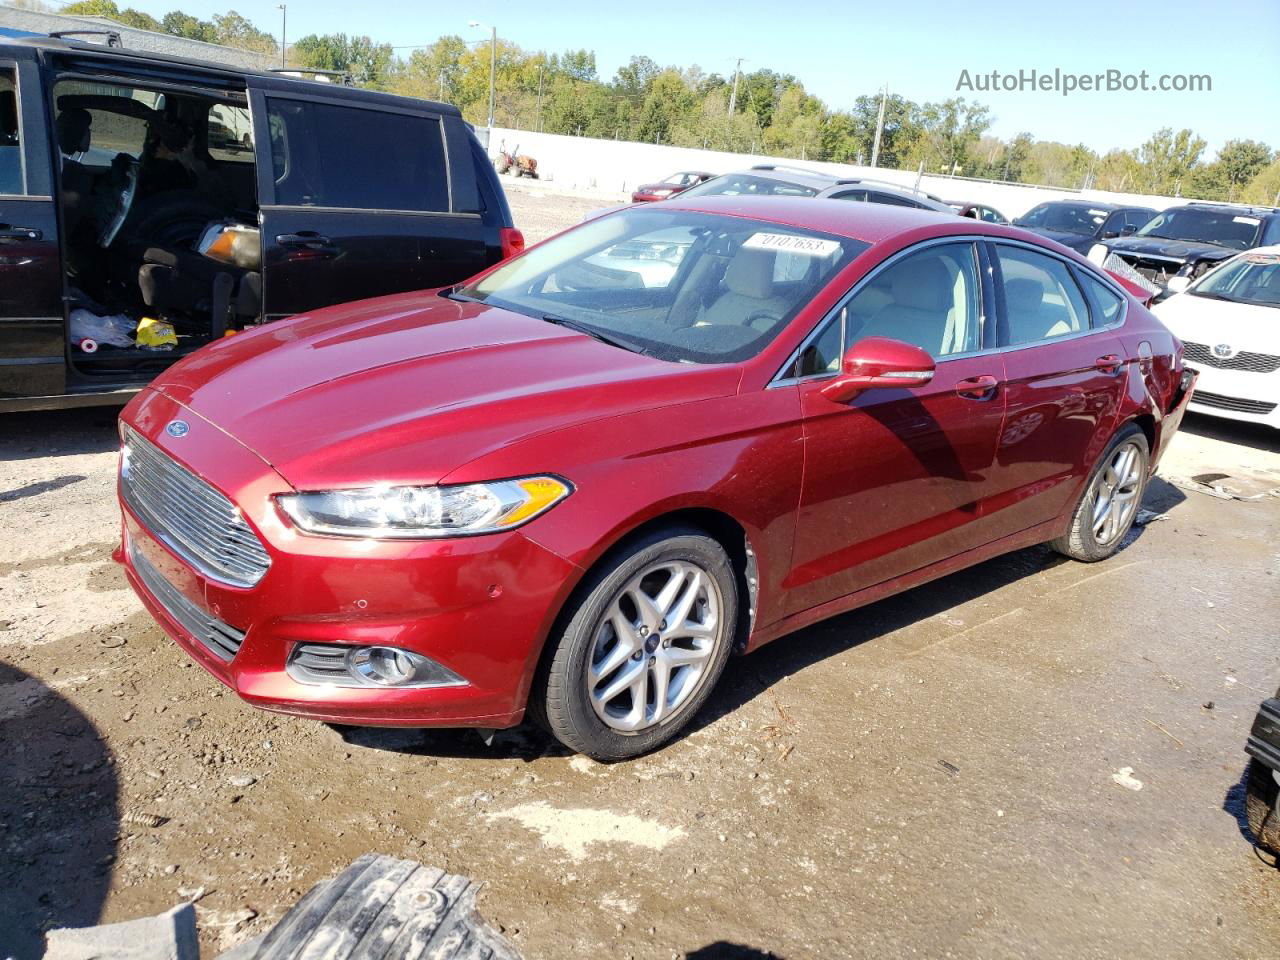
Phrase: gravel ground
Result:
[950,772]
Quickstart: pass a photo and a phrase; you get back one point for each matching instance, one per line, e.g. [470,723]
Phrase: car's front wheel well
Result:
[716,524]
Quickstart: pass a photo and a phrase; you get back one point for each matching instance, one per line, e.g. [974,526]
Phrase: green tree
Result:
[1264,188]
[1167,158]
[128,17]
[184,25]
[366,61]
[948,132]
[669,102]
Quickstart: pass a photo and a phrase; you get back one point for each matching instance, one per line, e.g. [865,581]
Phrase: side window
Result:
[331,156]
[1041,298]
[10,147]
[931,299]
[990,216]
[824,353]
[1106,303]
[230,137]
[1138,218]
[850,195]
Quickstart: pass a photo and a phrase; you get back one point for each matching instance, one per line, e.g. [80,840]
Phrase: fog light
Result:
[393,667]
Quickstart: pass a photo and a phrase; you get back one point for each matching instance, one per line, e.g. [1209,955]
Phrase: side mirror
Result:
[1110,234]
[1128,230]
[879,362]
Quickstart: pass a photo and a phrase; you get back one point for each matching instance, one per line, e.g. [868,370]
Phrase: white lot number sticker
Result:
[1251,221]
[805,246]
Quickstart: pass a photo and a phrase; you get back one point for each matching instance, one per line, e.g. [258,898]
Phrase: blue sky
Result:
[841,50]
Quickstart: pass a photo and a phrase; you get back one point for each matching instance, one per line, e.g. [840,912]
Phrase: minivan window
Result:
[1041,299]
[355,158]
[229,133]
[10,147]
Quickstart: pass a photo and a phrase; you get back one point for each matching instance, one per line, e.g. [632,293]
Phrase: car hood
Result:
[1173,249]
[1244,326]
[405,389]
[1075,241]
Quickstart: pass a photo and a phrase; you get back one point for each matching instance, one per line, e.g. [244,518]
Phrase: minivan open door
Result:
[359,199]
[32,329]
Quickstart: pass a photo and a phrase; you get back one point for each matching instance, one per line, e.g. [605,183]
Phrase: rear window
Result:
[350,157]
[748,185]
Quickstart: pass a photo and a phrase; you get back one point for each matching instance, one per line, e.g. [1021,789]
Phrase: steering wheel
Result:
[123,205]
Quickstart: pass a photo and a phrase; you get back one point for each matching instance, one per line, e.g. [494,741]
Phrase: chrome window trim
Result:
[779,380]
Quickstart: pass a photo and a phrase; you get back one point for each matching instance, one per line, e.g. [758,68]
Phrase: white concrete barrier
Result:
[613,168]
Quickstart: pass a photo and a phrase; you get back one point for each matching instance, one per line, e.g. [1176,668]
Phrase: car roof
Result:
[868,222]
[114,56]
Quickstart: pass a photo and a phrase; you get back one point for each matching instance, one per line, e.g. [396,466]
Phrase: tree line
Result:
[761,111]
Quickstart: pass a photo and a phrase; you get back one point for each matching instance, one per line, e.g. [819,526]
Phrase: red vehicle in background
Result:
[576,484]
[674,184]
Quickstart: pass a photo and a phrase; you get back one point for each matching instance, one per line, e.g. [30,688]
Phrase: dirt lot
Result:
[941,774]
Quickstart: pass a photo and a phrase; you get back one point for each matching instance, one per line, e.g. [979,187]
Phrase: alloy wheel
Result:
[653,645]
[1115,493]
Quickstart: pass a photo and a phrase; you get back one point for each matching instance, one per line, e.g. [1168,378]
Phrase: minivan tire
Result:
[1261,791]
[566,704]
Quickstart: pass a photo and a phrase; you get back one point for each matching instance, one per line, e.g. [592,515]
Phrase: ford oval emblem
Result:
[178,428]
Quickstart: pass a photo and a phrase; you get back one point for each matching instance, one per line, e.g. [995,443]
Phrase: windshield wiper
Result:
[594,333]
[451,293]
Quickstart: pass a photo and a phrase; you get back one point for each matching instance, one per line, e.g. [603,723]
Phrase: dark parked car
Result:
[134,185]
[672,185]
[1180,244]
[572,488]
[1262,796]
[1079,224]
[977,211]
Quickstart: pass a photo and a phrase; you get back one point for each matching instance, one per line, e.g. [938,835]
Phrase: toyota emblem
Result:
[180,428]
[1223,351]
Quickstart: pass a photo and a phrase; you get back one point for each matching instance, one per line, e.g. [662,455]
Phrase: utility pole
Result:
[733,97]
[493,68]
[537,123]
[875,147]
[284,20]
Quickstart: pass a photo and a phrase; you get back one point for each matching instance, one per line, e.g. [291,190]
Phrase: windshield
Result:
[745,184]
[1253,278]
[1224,228]
[1064,217]
[678,286]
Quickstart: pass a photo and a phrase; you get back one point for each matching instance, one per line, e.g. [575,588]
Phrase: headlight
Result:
[414,513]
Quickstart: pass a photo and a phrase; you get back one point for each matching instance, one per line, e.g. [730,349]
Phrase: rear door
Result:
[32,333]
[359,200]
[1065,368]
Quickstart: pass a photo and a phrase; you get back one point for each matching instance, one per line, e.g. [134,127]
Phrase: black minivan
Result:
[151,204]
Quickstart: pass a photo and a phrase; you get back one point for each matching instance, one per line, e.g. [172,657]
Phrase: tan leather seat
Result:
[922,299]
[748,298]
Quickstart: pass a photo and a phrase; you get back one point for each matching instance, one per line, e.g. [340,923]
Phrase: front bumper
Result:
[481,606]
[1264,740]
[1238,395]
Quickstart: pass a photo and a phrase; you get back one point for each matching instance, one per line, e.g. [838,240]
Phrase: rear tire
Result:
[1111,499]
[643,645]
[1261,790]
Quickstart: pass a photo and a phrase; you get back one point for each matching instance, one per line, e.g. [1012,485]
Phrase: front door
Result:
[359,201]
[898,478]
[32,333]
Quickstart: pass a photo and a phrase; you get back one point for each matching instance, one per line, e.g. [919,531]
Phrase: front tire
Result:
[643,646]
[1111,499]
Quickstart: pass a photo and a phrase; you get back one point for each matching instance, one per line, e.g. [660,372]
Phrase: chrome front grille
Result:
[220,639]
[189,516]
[1244,360]
[1237,404]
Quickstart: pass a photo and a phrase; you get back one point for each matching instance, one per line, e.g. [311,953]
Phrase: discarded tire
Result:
[1260,807]
[380,908]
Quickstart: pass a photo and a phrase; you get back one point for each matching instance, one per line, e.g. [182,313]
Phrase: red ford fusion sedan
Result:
[574,485]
